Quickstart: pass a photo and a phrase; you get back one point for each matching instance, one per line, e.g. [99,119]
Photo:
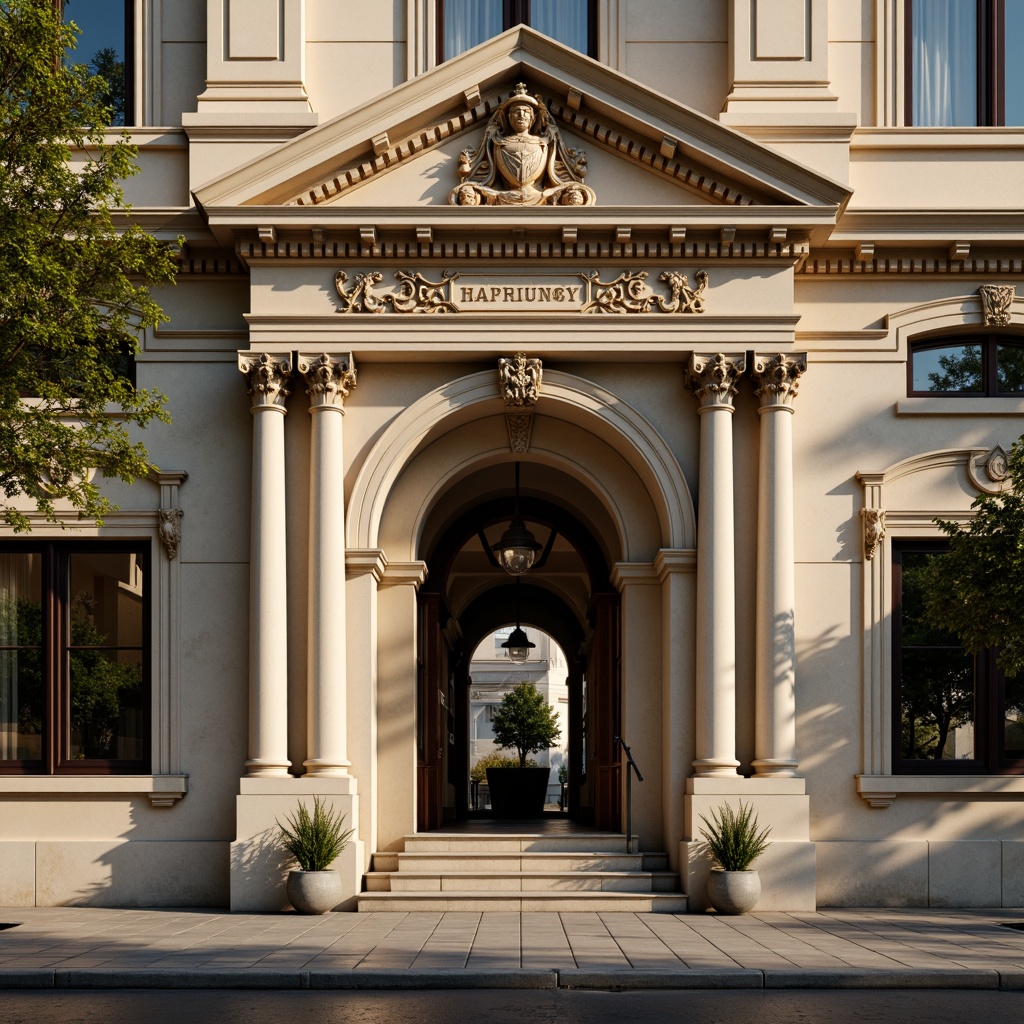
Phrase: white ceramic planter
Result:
[314,892]
[733,892]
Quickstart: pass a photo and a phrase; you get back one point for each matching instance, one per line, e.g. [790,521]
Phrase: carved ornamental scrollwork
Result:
[630,293]
[778,377]
[712,378]
[996,300]
[416,294]
[522,161]
[170,530]
[519,380]
[267,374]
[874,530]
[329,379]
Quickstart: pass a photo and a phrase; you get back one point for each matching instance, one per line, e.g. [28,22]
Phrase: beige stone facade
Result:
[719,449]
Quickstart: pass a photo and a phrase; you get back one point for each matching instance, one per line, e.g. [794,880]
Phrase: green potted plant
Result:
[526,723]
[315,841]
[735,842]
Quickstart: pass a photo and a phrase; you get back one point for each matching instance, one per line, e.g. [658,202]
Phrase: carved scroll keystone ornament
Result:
[519,380]
[996,300]
[517,166]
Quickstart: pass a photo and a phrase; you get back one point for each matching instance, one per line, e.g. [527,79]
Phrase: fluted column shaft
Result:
[267,375]
[712,379]
[775,639]
[328,382]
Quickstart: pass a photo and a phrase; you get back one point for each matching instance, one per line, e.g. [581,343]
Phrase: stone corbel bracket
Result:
[519,382]
[874,530]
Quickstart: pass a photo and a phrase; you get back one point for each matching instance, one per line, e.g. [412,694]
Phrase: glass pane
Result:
[467,23]
[945,62]
[105,599]
[564,20]
[22,694]
[107,705]
[1013,720]
[1010,368]
[950,368]
[936,678]
[1013,47]
[101,45]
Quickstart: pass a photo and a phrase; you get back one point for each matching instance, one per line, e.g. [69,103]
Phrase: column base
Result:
[776,768]
[322,768]
[787,868]
[260,865]
[264,767]
[710,767]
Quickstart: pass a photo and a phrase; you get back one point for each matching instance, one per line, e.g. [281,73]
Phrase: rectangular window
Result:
[952,712]
[962,62]
[106,43]
[74,666]
[974,365]
[463,24]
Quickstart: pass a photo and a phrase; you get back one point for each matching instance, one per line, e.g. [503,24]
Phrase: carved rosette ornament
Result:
[712,378]
[519,380]
[170,530]
[267,373]
[329,379]
[874,530]
[778,377]
[522,161]
[996,300]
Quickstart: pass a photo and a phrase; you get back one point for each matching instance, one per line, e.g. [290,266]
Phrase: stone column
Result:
[775,747]
[328,382]
[267,374]
[712,378]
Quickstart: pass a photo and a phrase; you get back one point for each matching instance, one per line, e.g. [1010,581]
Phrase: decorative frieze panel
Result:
[629,292]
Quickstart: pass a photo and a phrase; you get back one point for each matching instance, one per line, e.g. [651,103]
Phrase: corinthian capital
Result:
[778,377]
[712,377]
[266,373]
[329,379]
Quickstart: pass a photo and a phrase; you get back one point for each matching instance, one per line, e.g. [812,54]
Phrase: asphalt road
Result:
[507,1007]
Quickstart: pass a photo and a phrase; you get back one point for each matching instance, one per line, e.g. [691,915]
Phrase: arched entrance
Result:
[616,591]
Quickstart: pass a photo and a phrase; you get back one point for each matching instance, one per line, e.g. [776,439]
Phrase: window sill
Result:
[939,406]
[162,790]
[882,790]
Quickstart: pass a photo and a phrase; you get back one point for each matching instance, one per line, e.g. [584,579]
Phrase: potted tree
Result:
[735,842]
[526,723]
[315,841]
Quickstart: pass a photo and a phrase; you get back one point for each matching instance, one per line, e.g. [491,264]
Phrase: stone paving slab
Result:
[63,947]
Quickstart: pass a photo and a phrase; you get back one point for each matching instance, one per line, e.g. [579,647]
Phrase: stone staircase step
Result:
[583,842]
[551,901]
[528,881]
[512,861]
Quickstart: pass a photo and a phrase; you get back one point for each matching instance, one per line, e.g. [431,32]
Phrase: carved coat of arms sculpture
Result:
[522,161]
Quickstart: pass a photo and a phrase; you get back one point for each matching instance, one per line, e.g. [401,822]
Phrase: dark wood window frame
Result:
[991,71]
[55,649]
[990,343]
[989,694]
[517,12]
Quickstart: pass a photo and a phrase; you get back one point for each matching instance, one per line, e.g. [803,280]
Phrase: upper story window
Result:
[963,64]
[463,24]
[951,712]
[74,662]
[977,364]
[106,41]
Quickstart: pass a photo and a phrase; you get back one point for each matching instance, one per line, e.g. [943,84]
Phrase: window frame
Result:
[55,644]
[989,692]
[514,12]
[990,341]
[990,73]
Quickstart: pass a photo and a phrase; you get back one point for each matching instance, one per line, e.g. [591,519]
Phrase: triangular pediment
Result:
[402,149]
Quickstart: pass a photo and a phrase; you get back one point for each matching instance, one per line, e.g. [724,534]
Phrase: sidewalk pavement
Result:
[79,948]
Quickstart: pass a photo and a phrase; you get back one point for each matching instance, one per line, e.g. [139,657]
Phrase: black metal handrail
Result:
[630,763]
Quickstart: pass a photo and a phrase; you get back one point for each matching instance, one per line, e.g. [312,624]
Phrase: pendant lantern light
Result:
[517,549]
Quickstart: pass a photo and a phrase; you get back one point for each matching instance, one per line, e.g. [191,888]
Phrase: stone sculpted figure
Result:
[522,161]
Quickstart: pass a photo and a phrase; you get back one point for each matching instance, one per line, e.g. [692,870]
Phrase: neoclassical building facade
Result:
[717,300]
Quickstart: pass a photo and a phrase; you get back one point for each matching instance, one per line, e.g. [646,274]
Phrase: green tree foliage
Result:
[526,722]
[73,283]
[976,590]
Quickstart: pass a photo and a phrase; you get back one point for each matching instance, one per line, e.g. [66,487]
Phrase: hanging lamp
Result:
[518,645]
[517,549]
